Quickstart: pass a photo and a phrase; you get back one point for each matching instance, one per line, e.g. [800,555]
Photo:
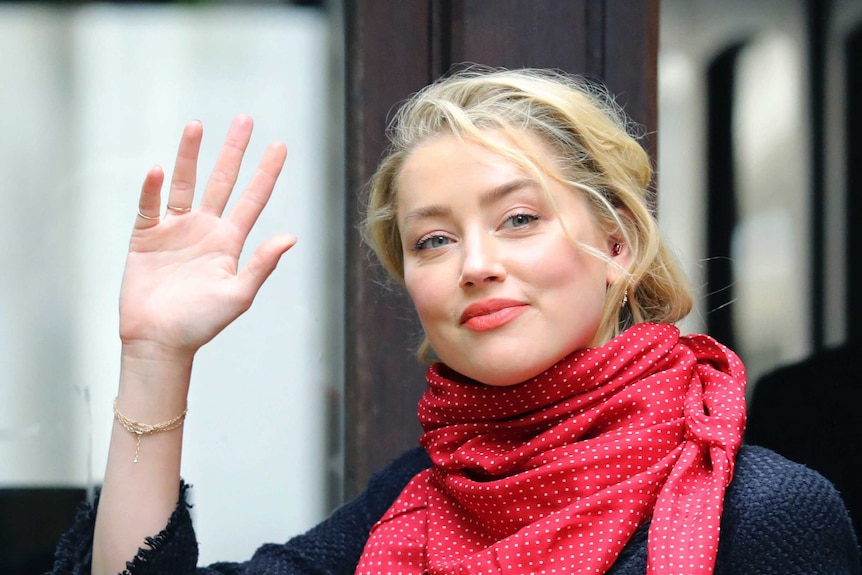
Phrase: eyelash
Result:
[527,215]
[422,242]
[420,245]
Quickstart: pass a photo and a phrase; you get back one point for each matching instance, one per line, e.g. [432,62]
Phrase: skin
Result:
[499,281]
[181,287]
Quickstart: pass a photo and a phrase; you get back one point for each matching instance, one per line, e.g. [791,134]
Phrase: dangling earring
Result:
[625,297]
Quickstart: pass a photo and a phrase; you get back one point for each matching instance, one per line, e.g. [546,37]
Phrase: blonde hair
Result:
[594,153]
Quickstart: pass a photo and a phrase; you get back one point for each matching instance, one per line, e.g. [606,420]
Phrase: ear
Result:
[619,253]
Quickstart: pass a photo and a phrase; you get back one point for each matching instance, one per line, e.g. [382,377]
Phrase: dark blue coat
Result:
[779,518]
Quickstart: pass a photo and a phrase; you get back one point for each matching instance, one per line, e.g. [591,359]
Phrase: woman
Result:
[569,428]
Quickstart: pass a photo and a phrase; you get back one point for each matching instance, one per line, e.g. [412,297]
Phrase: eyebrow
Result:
[488,197]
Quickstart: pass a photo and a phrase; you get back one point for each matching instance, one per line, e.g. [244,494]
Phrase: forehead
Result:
[447,171]
[489,155]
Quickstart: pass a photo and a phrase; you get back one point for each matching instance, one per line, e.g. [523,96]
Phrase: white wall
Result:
[91,98]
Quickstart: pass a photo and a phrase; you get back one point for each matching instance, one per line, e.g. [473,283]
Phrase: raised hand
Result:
[182,284]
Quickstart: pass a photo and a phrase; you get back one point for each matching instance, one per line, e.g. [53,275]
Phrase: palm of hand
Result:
[180,286]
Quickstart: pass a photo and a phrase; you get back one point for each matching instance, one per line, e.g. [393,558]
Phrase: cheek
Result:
[574,274]
[557,263]
[423,292]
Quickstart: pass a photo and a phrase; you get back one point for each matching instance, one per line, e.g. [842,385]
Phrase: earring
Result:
[615,251]
[625,298]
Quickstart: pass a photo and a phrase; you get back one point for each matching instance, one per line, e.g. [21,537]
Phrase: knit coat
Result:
[779,518]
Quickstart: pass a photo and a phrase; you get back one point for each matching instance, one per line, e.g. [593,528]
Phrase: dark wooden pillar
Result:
[394,47]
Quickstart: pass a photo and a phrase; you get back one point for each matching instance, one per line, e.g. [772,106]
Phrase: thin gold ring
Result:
[150,218]
[176,209]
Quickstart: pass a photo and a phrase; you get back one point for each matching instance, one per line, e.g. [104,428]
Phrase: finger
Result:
[185,168]
[150,202]
[262,263]
[259,190]
[224,174]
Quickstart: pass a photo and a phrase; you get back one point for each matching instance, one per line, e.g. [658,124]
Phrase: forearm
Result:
[138,497]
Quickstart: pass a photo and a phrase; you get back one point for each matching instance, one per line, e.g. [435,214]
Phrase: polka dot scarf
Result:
[554,475]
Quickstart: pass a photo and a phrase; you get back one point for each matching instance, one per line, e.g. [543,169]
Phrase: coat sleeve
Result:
[333,547]
[784,518]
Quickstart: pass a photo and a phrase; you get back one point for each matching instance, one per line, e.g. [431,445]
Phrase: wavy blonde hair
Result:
[594,153]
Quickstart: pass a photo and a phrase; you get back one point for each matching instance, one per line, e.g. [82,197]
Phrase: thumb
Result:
[264,260]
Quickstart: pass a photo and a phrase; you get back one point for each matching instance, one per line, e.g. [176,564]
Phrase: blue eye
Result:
[431,242]
[520,220]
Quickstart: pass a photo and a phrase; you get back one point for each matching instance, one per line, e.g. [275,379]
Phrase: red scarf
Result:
[554,475]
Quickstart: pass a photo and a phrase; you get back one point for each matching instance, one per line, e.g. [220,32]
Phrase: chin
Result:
[501,366]
[503,378]
[510,371]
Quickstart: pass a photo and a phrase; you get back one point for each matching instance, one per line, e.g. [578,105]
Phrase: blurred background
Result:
[757,166]
[92,95]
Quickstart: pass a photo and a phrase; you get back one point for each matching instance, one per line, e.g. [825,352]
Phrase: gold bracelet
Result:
[142,429]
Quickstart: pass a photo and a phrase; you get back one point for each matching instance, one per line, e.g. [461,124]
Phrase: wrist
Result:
[154,377]
[151,353]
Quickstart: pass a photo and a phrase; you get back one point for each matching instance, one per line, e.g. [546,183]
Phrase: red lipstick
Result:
[491,313]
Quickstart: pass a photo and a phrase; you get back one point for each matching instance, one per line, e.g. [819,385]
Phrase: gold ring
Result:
[150,218]
[176,209]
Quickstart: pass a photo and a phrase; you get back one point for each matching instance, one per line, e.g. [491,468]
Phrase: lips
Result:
[491,313]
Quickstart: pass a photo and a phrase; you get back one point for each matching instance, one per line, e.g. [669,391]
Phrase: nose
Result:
[482,263]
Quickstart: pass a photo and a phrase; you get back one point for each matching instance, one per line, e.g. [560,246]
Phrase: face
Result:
[502,290]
